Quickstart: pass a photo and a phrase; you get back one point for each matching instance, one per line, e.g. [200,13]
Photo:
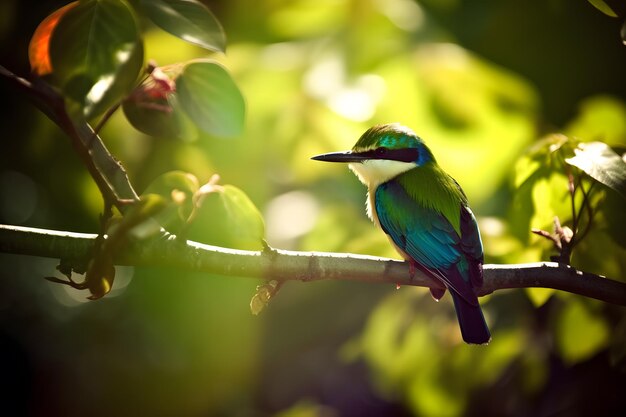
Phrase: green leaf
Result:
[539,161]
[189,20]
[177,188]
[524,170]
[186,129]
[248,224]
[579,333]
[530,175]
[603,7]
[138,221]
[96,53]
[173,181]
[602,164]
[211,99]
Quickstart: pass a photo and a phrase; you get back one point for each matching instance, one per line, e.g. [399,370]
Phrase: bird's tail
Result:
[471,320]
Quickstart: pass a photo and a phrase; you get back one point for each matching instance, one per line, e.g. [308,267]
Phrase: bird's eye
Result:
[380,151]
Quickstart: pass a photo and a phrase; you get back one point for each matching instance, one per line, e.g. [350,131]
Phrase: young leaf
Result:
[138,221]
[189,20]
[248,224]
[211,98]
[39,46]
[602,164]
[530,171]
[526,169]
[540,159]
[603,7]
[177,189]
[186,129]
[96,53]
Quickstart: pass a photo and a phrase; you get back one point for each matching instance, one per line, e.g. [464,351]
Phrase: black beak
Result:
[346,156]
[401,155]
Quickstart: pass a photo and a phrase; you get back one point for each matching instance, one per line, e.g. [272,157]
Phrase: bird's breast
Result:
[373,173]
[372,213]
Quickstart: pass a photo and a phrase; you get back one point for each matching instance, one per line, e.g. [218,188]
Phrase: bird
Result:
[424,213]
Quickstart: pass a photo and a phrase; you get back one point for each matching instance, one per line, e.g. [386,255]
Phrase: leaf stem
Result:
[105,117]
[572,192]
[585,205]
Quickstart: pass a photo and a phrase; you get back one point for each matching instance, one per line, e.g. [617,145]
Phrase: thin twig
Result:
[571,182]
[111,110]
[584,205]
[105,117]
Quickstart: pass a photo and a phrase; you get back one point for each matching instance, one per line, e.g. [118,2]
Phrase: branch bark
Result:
[283,265]
[107,172]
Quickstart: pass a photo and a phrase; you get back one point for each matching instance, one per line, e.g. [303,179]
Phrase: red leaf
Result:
[38,48]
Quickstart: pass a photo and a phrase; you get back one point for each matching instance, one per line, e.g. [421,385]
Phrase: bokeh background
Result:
[480,81]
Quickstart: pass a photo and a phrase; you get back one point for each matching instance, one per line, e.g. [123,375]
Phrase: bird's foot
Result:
[411,274]
[412,269]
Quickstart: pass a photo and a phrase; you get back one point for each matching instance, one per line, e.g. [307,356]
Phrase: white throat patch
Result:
[374,172]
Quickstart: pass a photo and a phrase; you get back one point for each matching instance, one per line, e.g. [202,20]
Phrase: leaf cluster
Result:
[93,52]
[565,183]
[87,59]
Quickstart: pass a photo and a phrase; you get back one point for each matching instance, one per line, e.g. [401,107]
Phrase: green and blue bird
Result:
[425,214]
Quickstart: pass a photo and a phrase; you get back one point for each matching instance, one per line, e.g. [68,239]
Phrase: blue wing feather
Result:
[430,240]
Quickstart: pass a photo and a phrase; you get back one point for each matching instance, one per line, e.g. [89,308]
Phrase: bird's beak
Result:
[345,156]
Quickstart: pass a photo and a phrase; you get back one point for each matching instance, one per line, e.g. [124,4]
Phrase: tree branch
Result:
[166,251]
[107,172]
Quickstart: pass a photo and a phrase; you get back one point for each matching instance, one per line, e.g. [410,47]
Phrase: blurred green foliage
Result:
[486,84]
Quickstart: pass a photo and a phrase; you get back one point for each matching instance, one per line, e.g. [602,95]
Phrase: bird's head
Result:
[382,153]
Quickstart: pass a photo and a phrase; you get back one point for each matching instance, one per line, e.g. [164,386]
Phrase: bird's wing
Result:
[472,246]
[428,238]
